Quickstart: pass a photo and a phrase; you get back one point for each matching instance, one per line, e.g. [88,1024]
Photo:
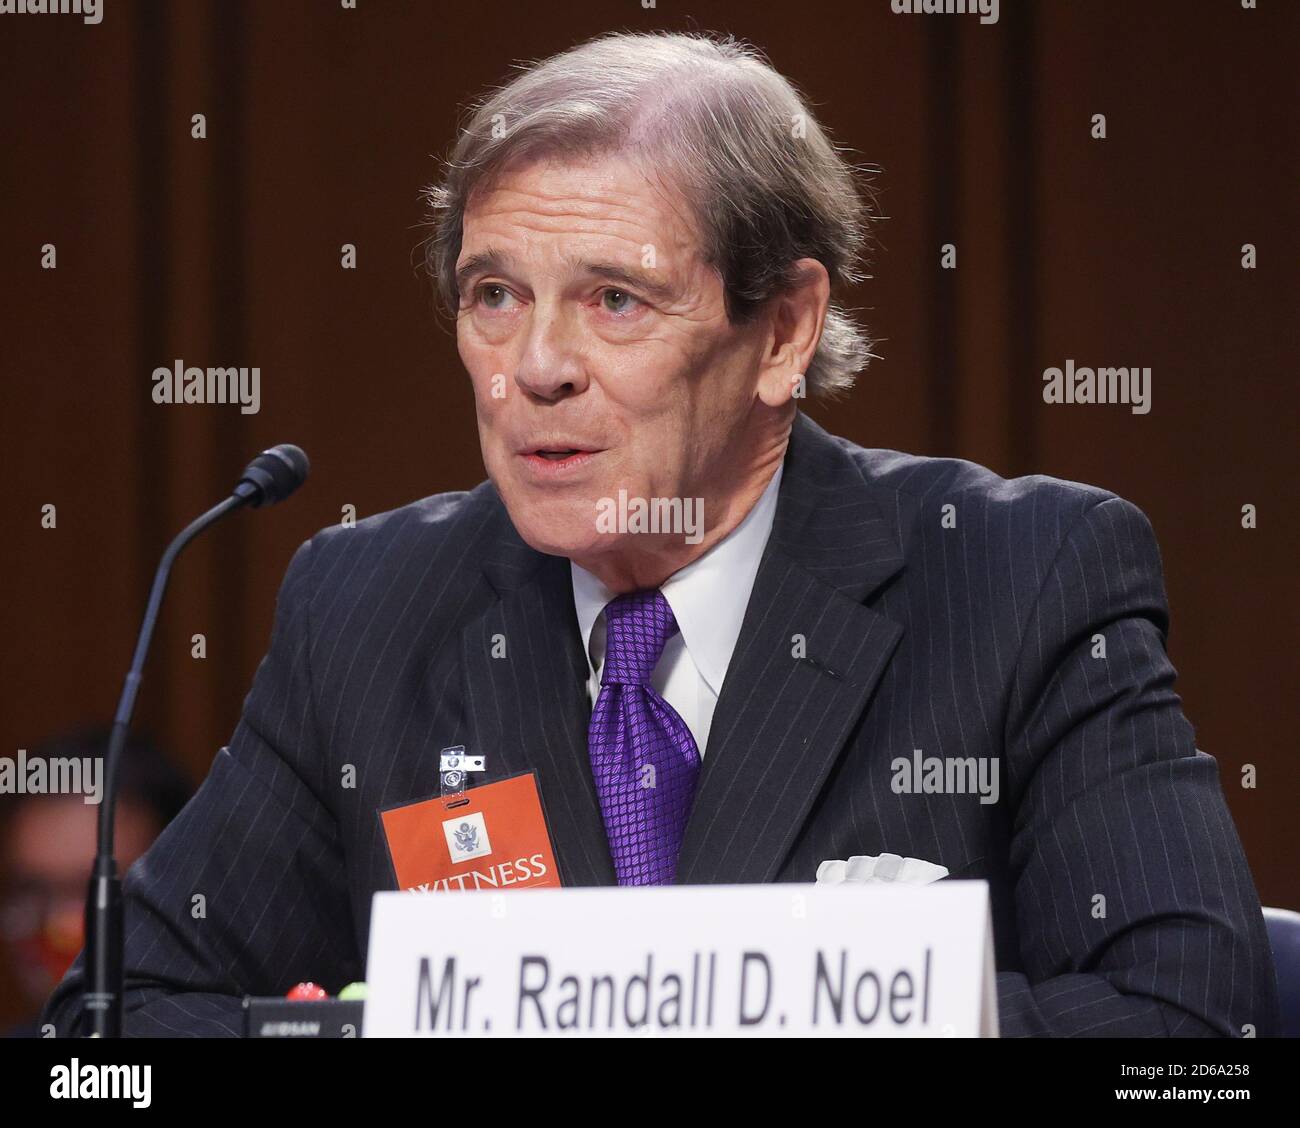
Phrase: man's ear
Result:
[795,320]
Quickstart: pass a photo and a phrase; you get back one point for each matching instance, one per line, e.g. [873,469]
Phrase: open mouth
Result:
[557,459]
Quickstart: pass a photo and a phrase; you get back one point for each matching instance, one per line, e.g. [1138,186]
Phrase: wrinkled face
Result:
[601,355]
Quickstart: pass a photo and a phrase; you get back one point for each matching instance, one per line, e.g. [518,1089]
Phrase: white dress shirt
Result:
[708,598]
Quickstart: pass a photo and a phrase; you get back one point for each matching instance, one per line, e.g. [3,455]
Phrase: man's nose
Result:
[551,364]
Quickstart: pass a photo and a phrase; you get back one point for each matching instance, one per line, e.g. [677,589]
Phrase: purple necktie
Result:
[643,757]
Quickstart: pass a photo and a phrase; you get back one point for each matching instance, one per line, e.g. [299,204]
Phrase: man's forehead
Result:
[610,199]
[605,219]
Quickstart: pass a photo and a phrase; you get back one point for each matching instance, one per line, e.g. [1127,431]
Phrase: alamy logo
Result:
[55,775]
[90,11]
[946,775]
[1098,385]
[682,515]
[987,10]
[101,1082]
[179,384]
[467,837]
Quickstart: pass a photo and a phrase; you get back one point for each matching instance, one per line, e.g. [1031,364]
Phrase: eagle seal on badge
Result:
[466,838]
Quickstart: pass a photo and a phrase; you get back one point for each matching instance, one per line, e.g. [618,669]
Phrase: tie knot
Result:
[637,628]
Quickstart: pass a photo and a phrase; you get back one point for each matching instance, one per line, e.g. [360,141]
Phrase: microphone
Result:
[271,477]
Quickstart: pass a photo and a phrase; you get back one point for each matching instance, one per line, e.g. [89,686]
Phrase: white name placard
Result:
[765,960]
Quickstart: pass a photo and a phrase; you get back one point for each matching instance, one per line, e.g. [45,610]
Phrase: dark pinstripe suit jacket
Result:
[968,641]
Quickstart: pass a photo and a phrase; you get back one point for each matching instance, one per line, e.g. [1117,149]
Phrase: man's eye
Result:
[618,301]
[493,294]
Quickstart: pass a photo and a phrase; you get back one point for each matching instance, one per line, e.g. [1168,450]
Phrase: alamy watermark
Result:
[90,11]
[987,10]
[55,775]
[1098,385]
[180,384]
[945,775]
[86,1081]
[681,515]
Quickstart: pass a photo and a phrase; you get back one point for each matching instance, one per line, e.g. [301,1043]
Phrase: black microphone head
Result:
[273,475]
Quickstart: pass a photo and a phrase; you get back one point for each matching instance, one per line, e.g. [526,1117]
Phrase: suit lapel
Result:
[528,705]
[807,660]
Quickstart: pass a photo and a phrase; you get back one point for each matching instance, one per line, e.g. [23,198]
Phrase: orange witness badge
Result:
[494,838]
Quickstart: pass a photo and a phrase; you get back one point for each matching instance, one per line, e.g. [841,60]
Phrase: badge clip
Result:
[453,766]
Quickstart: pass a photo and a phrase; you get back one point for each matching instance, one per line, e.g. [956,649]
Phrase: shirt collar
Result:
[708,596]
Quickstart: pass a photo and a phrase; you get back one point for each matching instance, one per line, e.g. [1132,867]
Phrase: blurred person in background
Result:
[47,844]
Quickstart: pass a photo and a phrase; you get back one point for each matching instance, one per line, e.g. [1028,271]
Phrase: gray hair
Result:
[764,183]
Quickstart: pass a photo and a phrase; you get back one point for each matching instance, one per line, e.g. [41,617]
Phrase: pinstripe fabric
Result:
[872,631]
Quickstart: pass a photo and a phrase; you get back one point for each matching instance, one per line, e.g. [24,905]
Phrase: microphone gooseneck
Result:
[271,477]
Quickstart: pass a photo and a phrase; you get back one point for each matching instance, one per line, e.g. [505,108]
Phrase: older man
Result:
[674,575]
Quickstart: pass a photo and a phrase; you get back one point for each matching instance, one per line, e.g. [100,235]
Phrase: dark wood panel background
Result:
[322,122]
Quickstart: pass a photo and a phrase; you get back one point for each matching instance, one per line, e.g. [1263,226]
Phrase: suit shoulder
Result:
[1013,521]
[967,485]
[432,516]
[388,541]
